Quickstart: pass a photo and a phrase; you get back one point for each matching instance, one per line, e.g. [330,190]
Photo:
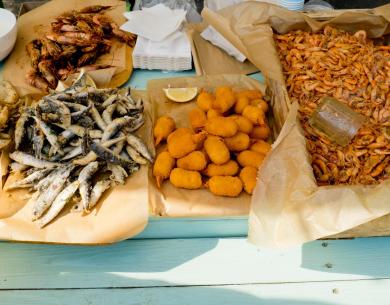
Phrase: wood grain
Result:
[325,293]
[203,261]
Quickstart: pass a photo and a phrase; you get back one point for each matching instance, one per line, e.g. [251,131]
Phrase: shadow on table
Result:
[365,256]
[125,256]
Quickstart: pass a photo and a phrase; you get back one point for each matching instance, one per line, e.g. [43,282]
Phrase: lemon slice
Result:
[181,95]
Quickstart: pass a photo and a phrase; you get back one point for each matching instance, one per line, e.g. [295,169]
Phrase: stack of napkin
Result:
[161,44]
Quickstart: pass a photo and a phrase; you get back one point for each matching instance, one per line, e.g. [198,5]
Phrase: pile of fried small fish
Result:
[8,109]
[75,40]
[73,145]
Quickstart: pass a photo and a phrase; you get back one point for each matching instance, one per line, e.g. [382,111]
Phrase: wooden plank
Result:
[325,293]
[139,263]
[166,227]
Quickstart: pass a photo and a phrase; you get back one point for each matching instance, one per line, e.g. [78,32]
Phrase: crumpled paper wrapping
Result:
[121,213]
[170,201]
[288,207]
[37,22]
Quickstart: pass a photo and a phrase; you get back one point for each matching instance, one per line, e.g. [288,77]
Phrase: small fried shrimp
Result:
[244,125]
[224,99]
[252,113]
[205,100]
[183,141]
[197,118]
[162,167]
[261,147]
[163,127]
[221,126]
[248,176]
[239,142]
[195,161]
[260,132]
[186,179]
[225,186]
[229,168]
[250,158]
[216,150]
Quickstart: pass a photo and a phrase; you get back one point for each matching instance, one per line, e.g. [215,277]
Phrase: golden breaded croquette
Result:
[212,113]
[163,127]
[242,102]
[229,168]
[163,166]
[262,104]
[250,94]
[216,150]
[239,142]
[225,186]
[186,179]
[221,126]
[183,141]
[205,100]
[244,125]
[252,113]
[248,176]
[197,118]
[260,132]
[250,158]
[261,147]
[224,99]
[195,161]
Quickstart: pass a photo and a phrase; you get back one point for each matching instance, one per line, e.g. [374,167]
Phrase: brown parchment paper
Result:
[209,59]
[288,208]
[121,213]
[37,22]
[174,202]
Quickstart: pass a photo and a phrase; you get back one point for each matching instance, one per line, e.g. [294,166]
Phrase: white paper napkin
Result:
[218,40]
[155,23]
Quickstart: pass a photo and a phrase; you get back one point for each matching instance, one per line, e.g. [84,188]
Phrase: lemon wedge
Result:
[181,95]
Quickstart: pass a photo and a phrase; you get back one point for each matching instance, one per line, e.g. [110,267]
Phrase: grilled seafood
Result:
[354,70]
[75,40]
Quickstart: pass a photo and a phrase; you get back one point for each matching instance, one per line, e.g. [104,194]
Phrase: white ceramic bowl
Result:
[8,32]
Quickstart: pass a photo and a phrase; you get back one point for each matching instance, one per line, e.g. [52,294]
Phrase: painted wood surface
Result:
[204,261]
[364,292]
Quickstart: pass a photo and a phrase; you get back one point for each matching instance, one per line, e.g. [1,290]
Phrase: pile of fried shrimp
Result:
[227,142]
[355,70]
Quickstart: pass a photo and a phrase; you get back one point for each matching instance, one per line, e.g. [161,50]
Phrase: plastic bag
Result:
[188,5]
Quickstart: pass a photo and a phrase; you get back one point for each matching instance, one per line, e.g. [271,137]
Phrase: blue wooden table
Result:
[195,270]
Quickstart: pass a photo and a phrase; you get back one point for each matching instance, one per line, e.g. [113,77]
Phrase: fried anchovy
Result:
[47,197]
[85,182]
[26,182]
[61,200]
[109,156]
[135,155]
[107,114]
[38,142]
[50,134]
[118,173]
[27,159]
[58,107]
[139,146]
[116,125]
[97,191]
[20,129]
[97,118]
[111,99]
[18,167]
[91,156]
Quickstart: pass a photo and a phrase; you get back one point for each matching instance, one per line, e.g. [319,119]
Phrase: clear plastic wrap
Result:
[188,5]
[336,120]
